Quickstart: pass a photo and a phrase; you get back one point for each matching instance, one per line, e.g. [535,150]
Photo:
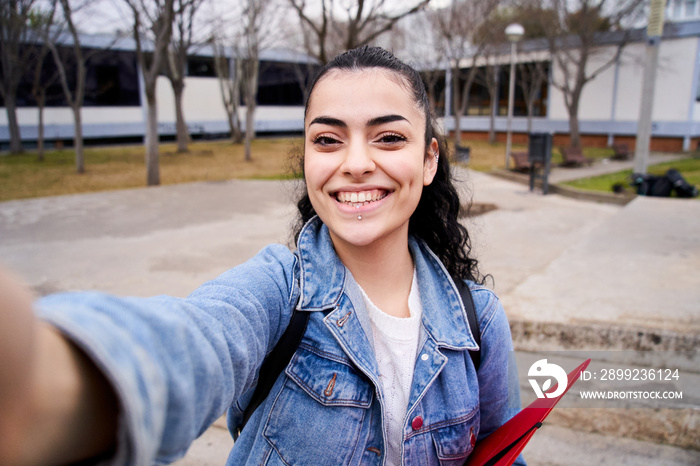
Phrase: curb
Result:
[669,426]
[580,194]
[556,336]
[675,427]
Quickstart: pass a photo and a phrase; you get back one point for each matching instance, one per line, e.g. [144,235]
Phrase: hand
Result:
[55,404]
[18,329]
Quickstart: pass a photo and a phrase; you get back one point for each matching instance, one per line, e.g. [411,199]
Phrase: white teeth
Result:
[360,198]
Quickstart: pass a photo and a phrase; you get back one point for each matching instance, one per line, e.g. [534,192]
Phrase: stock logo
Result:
[542,368]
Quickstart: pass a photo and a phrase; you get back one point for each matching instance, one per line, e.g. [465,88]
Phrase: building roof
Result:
[123,41]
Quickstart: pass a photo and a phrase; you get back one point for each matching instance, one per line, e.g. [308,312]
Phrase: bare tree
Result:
[573,30]
[253,18]
[491,36]
[228,72]
[39,86]
[418,45]
[344,25]
[181,44]
[533,75]
[489,78]
[260,25]
[76,95]
[41,22]
[14,33]
[152,22]
[457,26]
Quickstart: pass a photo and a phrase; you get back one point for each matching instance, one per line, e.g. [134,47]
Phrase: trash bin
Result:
[462,153]
[539,152]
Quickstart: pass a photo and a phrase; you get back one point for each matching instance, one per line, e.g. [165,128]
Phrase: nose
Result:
[358,161]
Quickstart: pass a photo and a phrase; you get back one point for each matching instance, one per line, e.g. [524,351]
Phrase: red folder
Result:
[502,447]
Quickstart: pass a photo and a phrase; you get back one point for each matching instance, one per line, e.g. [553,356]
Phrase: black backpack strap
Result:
[468,302]
[276,361]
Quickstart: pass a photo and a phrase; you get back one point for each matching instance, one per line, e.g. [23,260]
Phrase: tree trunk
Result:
[457,108]
[458,130]
[574,134]
[182,134]
[492,122]
[236,134]
[152,162]
[251,69]
[231,127]
[493,92]
[249,130]
[78,140]
[13,125]
[40,104]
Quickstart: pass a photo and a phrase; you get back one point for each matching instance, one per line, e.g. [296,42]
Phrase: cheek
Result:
[316,172]
[406,172]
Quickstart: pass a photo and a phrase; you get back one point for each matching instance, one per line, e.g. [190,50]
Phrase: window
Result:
[202,67]
[110,79]
[284,83]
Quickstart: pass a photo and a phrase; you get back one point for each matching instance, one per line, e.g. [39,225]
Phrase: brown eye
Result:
[392,138]
[325,141]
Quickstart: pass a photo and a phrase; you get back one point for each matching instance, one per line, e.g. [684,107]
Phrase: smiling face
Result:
[365,156]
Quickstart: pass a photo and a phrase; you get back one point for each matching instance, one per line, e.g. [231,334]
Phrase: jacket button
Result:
[417,423]
[472,437]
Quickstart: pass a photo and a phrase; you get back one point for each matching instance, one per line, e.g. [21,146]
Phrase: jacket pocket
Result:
[455,441]
[317,416]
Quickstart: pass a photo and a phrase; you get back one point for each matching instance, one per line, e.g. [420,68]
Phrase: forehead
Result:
[363,91]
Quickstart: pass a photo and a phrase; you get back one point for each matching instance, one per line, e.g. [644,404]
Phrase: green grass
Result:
[689,168]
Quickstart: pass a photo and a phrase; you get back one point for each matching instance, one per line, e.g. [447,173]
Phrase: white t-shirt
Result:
[395,347]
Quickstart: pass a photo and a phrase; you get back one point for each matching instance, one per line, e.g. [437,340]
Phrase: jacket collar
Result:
[322,274]
[323,277]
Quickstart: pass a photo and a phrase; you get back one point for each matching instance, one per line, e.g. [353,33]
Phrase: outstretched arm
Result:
[56,405]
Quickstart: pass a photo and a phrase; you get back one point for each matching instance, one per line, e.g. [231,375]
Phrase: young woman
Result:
[383,373]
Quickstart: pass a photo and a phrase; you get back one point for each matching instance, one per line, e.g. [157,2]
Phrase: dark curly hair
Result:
[435,220]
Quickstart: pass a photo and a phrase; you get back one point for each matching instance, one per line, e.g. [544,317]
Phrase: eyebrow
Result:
[324,120]
[380,120]
[385,119]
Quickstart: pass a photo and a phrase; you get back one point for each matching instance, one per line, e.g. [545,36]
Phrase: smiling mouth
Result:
[360,198]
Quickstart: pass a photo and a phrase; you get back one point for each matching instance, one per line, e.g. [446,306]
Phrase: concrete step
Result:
[555,445]
[674,422]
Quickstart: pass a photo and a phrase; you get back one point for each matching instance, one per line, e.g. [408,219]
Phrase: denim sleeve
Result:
[499,391]
[177,364]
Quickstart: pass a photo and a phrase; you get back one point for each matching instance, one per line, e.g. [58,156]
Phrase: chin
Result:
[354,236]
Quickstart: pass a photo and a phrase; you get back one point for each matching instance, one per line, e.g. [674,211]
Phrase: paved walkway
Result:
[553,260]
[561,174]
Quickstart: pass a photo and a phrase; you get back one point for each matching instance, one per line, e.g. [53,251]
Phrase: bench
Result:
[521,161]
[621,152]
[573,157]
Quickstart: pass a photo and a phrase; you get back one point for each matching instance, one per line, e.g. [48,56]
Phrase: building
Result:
[115,105]
[610,103]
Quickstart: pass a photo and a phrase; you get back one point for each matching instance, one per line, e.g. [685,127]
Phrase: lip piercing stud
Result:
[359,217]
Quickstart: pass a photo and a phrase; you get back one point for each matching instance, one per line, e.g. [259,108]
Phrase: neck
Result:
[384,271]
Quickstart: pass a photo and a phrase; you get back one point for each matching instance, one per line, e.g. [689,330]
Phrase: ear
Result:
[431,162]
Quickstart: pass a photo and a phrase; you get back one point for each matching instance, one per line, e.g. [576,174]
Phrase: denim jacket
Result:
[177,364]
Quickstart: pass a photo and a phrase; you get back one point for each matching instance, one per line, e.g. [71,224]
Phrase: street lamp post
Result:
[514,32]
